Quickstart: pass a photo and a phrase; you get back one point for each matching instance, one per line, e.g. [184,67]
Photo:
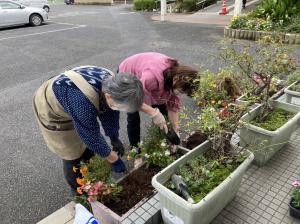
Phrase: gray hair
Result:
[125,89]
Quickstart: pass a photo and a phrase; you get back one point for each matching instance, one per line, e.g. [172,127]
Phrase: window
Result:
[9,5]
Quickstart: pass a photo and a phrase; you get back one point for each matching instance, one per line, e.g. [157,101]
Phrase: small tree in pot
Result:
[259,66]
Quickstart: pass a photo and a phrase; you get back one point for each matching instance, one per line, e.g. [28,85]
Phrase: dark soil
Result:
[194,140]
[135,187]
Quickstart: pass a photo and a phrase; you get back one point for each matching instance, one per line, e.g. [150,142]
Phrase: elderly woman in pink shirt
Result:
[162,78]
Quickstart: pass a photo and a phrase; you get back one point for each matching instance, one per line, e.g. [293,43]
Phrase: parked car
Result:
[12,14]
[35,3]
[69,2]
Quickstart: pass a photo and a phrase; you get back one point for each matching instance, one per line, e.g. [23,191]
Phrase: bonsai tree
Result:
[260,64]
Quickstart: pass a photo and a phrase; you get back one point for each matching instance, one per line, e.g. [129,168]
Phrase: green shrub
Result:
[239,22]
[147,5]
[292,26]
[250,22]
[188,5]
[277,10]
[295,76]
[191,5]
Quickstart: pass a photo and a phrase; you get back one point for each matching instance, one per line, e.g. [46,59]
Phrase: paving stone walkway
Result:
[265,191]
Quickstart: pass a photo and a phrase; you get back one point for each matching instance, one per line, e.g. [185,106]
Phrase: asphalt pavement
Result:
[32,182]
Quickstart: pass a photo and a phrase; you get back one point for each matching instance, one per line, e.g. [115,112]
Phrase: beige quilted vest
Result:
[55,124]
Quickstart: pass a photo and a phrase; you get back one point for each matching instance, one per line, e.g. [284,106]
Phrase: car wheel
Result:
[35,20]
[46,8]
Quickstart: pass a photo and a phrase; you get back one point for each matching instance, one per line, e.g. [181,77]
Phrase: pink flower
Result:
[296,183]
[257,79]
[98,186]
[90,199]
[87,187]
[92,192]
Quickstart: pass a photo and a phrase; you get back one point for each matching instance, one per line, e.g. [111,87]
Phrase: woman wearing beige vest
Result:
[67,107]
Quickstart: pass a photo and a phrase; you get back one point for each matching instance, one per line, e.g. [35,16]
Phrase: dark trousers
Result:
[70,175]
[133,124]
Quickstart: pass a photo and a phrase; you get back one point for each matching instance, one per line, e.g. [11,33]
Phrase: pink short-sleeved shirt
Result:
[149,68]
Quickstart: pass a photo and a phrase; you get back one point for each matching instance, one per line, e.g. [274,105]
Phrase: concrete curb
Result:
[288,38]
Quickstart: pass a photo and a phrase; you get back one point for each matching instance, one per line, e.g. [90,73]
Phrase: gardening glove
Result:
[159,120]
[118,166]
[118,147]
[173,137]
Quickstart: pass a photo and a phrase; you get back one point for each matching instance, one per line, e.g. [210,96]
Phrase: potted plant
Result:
[122,197]
[217,90]
[211,172]
[268,128]
[254,98]
[262,68]
[294,204]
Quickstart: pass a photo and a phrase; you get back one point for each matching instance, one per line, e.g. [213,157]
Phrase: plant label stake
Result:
[182,188]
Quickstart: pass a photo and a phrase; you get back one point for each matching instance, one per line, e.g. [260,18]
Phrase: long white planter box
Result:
[292,94]
[106,216]
[267,142]
[177,210]
[241,101]
[254,105]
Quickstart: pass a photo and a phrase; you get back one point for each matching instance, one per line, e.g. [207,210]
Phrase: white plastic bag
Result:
[83,216]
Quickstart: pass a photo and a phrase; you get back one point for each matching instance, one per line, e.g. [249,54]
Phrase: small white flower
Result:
[146,155]
[141,143]
[134,149]
[163,144]
[167,153]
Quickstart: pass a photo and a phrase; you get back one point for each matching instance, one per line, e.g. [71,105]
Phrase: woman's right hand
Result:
[159,120]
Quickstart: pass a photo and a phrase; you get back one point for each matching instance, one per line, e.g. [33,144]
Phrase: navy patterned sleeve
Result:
[110,123]
[84,116]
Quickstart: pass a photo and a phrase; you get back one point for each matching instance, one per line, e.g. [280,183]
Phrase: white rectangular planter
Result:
[106,216]
[292,94]
[240,101]
[274,97]
[177,210]
[269,141]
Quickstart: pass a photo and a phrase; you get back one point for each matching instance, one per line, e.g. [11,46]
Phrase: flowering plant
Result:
[296,194]
[154,148]
[216,90]
[95,184]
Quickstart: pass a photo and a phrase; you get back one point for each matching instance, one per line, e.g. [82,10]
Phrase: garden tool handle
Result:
[182,188]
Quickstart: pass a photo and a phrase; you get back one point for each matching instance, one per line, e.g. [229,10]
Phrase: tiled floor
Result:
[265,191]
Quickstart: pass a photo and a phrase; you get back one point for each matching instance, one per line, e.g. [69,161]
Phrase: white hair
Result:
[125,89]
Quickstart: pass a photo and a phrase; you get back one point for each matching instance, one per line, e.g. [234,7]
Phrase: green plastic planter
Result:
[175,209]
[267,142]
